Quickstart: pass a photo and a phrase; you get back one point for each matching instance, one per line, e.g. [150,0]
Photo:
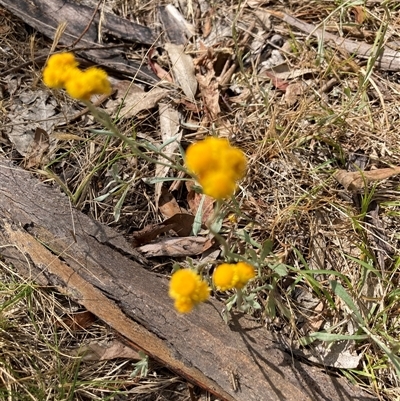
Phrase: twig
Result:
[388,59]
[87,26]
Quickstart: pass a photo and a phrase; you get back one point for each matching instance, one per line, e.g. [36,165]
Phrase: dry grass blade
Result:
[43,359]
[388,59]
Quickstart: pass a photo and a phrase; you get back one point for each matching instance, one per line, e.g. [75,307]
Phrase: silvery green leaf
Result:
[101,132]
[118,206]
[280,269]
[154,180]
[198,218]
[166,143]
[217,223]
[266,249]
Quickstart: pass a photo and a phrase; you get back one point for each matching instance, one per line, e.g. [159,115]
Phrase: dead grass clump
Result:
[46,354]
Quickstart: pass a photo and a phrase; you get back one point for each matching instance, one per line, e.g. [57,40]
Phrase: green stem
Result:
[239,299]
[105,120]
[226,251]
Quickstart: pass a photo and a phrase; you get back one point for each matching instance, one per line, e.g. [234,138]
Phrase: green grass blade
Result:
[347,299]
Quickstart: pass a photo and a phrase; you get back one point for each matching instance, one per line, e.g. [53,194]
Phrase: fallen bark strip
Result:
[387,59]
[46,15]
[44,238]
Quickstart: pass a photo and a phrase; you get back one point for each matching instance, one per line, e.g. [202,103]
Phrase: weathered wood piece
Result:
[46,15]
[174,27]
[386,59]
[43,237]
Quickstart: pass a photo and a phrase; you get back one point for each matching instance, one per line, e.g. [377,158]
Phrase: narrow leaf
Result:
[346,298]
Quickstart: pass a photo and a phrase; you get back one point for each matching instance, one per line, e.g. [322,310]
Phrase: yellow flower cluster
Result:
[187,289]
[217,165]
[228,276]
[62,71]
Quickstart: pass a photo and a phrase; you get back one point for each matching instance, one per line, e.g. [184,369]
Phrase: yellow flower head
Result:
[205,156]
[234,160]
[218,184]
[243,273]
[62,72]
[228,276]
[217,166]
[187,289]
[58,68]
[223,276]
[82,85]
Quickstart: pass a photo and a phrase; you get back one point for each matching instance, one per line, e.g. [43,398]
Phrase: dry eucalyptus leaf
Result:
[125,90]
[194,200]
[34,106]
[183,69]
[149,233]
[79,320]
[255,3]
[176,247]
[180,223]
[167,204]
[37,148]
[208,83]
[134,104]
[277,82]
[293,92]
[221,28]
[134,98]
[360,14]
[64,136]
[97,351]
[207,25]
[210,92]
[161,72]
[356,180]
[171,134]
[284,72]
